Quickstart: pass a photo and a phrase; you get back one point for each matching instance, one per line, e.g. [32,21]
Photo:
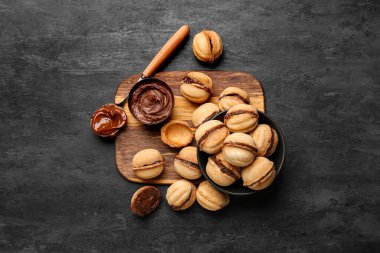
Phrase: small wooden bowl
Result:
[237,188]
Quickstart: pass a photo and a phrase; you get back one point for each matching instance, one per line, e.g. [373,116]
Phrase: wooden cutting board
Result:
[137,136]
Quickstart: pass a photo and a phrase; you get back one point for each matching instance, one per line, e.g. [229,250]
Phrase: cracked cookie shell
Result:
[204,113]
[210,136]
[210,198]
[239,149]
[259,175]
[186,163]
[176,134]
[266,139]
[232,96]
[148,163]
[241,118]
[196,87]
[181,195]
[221,171]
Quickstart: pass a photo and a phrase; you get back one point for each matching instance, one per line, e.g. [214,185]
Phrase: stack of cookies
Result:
[239,146]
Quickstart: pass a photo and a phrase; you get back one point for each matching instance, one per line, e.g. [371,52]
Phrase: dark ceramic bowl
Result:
[277,157]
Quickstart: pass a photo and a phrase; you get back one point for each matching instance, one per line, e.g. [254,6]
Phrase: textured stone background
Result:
[319,64]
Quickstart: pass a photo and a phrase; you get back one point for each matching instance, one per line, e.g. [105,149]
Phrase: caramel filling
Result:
[212,55]
[187,163]
[108,119]
[263,178]
[149,166]
[208,132]
[152,102]
[209,117]
[241,145]
[246,101]
[223,168]
[197,84]
[238,112]
[271,141]
[146,201]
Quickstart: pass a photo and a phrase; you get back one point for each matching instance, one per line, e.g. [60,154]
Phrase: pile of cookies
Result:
[239,147]
[242,154]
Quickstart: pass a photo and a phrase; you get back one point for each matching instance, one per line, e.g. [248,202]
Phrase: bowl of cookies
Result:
[240,150]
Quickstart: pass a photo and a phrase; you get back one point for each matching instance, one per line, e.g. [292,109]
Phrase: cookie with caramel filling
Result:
[186,163]
[181,195]
[210,136]
[266,139]
[232,96]
[196,87]
[210,198]
[148,163]
[239,149]
[259,175]
[241,118]
[221,171]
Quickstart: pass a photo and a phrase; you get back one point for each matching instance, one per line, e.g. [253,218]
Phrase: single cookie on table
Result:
[221,171]
[145,200]
[204,113]
[241,118]
[239,149]
[210,136]
[207,46]
[148,163]
[176,134]
[232,96]
[266,139]
[196,87]
[181,195]
[186,163]
[210,198]
[258,175]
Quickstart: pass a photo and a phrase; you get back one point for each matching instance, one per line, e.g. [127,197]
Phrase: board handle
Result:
[166,50]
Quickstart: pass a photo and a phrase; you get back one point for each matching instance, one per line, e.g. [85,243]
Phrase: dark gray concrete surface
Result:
[318,61]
